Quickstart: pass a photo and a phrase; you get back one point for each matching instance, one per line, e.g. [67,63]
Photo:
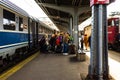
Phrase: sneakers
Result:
[65,53]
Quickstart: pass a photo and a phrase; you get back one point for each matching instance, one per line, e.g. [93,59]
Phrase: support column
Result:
[105,46]
[94,38]
[98,68]
[75,27]
[71,27]
[100,42]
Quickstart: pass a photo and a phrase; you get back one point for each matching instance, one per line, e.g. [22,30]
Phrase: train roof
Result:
[12,6]
[43,24]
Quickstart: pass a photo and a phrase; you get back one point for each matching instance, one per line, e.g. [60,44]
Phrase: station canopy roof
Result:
[55,17]
[61,18]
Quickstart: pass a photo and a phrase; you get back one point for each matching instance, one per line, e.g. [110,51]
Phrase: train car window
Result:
[117,22]
[40,29]
[109,23]
[113,23]
[8,20]
[20,24]
[30,24]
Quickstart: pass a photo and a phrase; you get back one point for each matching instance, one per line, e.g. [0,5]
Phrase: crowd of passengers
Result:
[58,42]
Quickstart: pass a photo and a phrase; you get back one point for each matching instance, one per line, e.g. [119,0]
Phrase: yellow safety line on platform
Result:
[7,74]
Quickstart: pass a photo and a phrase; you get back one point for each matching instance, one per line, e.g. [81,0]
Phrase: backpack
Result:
[57,41]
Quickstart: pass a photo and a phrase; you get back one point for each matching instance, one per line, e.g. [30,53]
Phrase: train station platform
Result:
[53,66]
[48,66]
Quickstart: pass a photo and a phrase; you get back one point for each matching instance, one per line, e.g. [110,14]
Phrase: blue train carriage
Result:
[13,30]
[19,33]
[13,33]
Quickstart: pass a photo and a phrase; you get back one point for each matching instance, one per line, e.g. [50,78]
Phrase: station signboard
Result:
[92,2]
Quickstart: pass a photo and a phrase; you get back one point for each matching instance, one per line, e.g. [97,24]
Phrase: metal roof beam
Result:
[59,18]
[83,9]
[60,23]
[62,28]
[67,9]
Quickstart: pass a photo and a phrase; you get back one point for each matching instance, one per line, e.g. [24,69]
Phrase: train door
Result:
[37,44]
[119,29]
[33,33]
[117,24]
[29,35]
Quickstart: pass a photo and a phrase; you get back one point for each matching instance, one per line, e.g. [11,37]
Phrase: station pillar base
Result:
[81,56]
[96,77]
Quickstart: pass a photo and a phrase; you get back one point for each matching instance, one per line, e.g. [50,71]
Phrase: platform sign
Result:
[92,2]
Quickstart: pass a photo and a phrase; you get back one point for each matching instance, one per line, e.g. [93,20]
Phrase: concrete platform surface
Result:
[52,67]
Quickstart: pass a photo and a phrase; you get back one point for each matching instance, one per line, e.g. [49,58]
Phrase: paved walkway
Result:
[52,67]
